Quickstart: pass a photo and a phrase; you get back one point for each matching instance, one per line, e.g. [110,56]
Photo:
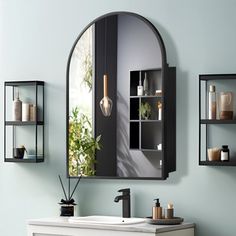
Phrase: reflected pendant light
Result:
[106,102]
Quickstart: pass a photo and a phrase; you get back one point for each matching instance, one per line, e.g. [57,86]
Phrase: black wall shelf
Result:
[25,160]
[22,123]
[207,126]
[217,163]
[29,133]
[206,121]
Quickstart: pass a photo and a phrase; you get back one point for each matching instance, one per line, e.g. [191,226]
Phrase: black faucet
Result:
[125,197]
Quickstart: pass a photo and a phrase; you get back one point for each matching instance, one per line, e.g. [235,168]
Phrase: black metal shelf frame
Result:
[217,163]
[38,157]
[148,96]
[23,123]
[36,160]
[223,122]
[204,78]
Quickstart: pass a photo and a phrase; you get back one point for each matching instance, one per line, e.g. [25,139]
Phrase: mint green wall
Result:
[35,40]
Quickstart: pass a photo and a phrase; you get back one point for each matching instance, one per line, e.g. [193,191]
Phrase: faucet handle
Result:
[125,191]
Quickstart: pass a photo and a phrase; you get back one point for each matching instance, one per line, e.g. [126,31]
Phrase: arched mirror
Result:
[120,101]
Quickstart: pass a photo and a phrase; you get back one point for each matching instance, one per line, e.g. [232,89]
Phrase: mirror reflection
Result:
[111,58]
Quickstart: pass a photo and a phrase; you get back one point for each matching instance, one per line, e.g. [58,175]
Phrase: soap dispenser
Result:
[156,210]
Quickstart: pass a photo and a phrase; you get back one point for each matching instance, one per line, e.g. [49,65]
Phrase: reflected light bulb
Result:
[106,102]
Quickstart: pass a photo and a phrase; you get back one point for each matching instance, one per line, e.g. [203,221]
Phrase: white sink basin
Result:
[105,220]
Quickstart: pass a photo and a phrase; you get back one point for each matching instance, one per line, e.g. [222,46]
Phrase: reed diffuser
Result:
[67,204]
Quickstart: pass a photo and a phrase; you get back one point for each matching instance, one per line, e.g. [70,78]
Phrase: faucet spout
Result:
[125,197]
[118,198]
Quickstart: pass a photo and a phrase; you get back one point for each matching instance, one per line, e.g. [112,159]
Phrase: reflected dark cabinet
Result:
[24,123]
[156,131]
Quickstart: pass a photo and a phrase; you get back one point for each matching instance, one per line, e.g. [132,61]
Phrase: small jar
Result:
[224,155]
[170,211]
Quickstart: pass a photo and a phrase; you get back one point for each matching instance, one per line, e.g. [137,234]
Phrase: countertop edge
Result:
[141,227]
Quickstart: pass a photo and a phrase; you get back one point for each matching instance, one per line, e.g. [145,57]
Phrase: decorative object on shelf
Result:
[28,112]
[224,154]
[158,92]
[145,110]
[106,102]
[19,153]
[160,163]
[212,102]
[159,147]
[67,204]
[213,154]
[226,105]
[145,84]
[25,112]
[140,87]
[32,112]
[159,107]
[17,107]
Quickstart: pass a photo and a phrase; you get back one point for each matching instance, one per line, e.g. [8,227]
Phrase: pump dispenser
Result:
[156,210]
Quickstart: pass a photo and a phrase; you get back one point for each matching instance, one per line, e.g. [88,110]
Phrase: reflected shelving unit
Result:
[216,132]
[145,135]
[29,133]
[159,129]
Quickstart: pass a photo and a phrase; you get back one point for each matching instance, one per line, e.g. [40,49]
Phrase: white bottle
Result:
[25,111]
[159,114]
[140,87]
[145,84]
[17,108]
[212,103]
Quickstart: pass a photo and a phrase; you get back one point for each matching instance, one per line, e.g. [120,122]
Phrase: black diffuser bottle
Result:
[68,204]
[67,207]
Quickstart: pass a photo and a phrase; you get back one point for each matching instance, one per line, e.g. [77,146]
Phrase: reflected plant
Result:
[82,145]
[145,110]
[88,71]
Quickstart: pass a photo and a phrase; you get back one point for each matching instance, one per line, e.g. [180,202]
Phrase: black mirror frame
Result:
[164,65]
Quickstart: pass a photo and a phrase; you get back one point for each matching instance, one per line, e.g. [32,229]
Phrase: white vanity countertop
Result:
[141,227]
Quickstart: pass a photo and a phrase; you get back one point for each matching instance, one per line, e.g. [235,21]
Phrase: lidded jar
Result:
[226,105]
[224,155]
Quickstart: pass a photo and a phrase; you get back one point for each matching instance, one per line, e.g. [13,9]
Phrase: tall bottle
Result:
[17,108]
[140,87]
[145,84]
[212,103]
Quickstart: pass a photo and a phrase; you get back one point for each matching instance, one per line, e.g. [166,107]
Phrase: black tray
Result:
[174,221]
